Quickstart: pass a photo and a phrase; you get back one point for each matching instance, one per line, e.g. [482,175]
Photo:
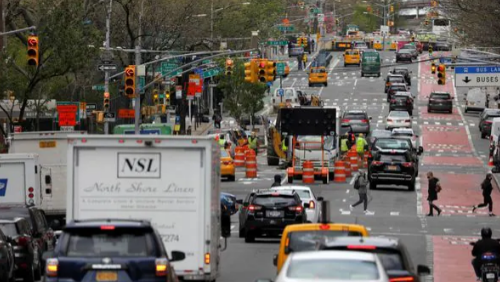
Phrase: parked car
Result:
[440,101]
[24,248]
[229,201]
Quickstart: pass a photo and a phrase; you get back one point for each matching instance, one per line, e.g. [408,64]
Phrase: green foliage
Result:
[366,22]
[240,97]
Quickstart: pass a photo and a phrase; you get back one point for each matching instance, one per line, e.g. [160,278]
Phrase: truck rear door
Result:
[12,183]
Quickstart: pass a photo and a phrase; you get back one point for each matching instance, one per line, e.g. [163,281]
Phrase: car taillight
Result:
[407,120]
[346,120]
[488,122]
[393,101]
[22,241]
[377,163]
[227,162]
[51,267]
[361,247]
[389,120]
[312,205]
[296,208]
[407,164]
[207,258]
[107,227]
[388,84]
[324,227]
[402,279]
[254,208]
[364,121]
[161,266]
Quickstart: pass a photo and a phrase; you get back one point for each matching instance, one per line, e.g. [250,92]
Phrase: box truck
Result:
[171,181]
[20,179]
[52,150]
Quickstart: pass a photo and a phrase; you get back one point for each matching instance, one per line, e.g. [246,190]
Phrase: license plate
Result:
[47,144]
[392,167]
[274,213]
[106,276]
[490,275]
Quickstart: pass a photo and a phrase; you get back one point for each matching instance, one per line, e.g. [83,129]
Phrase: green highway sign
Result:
[98,87]
[161,96]
[205,62]
[277,43]
[168,66]
[316,10]
[142,83]
[211,72]
[286,28]
[280,68]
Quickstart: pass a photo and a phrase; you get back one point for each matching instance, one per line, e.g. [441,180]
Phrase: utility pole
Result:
[212,25]
[2,25]
[137,64]
[106,72]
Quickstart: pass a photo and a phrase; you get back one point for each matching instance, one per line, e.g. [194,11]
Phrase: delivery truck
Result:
[171,181]
[51,148]
[20,179]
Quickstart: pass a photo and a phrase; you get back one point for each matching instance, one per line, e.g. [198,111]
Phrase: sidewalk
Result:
[202,129]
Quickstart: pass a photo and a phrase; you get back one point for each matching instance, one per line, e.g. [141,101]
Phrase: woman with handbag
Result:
[433,190]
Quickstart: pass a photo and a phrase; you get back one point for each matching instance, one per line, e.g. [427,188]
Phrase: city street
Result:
[453,150]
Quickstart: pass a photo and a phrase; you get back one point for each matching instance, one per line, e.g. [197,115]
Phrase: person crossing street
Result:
[487,188]
[361,184]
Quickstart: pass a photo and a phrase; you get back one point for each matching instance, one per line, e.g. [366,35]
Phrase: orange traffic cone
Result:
[490,163]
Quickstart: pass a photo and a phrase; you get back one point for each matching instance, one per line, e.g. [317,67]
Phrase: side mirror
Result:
[320,199]
[420,150]
[307,205]
[275,260]
[177,256]
[423,270]
[47,255]
[48,179]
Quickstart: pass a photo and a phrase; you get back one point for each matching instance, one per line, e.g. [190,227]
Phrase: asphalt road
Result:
[434,241]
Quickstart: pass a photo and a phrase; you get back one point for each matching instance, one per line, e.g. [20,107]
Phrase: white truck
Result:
[173,182]
[20,179]
[51,148]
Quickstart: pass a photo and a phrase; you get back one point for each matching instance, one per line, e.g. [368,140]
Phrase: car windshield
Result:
[402,98]
[380,133]
[330,268]
[398,114]
[405,51]
[440,96]
[9,229]
[318,70]
[315,142]
[409,47]
[352,53]
[402,71]
[303,194]
[398,88]
[356,116]
[396,78]
[301,241]
[120,242]
[393,144]
[271,200]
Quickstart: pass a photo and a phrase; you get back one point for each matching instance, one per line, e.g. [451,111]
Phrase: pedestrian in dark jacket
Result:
[433,190]
[277,180]
[362,183]
[487,188]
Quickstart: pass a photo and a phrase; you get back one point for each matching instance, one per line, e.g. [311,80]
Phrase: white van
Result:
[495,131]
[290,95]
[475,100]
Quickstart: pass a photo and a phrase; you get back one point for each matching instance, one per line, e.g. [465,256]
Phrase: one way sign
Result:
[109,117]
[106,67]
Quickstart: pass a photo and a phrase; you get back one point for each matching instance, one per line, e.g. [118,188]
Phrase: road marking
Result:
[347,191]
[394,213]
[355,82]
[345,212]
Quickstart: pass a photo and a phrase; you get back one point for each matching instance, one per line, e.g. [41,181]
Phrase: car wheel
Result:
[362,75]
[30,275]
[290,180]
[465,110]
[450,111]
[249,238]
[310,85]
[483,135]
[378,74]
[241,233]
[373,185]
[428,110]
[411,186]
[231,177]
[326,84]
[331,175]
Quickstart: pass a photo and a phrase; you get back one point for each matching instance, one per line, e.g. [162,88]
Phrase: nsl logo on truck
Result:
[139,165]
[173,182]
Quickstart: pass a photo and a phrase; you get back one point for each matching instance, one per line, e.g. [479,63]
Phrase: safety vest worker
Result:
[221,142]
[360,144]
[343,145]
[284,147]
[252,142]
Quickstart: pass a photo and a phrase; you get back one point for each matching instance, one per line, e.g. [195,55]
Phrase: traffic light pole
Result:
[106,72]
[137,108]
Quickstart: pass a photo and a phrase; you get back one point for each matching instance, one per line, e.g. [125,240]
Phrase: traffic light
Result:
[167,98]
[299,41]
[261,74]
[33,50]
[155,97]
[130,81]
[392,9]
[250,71]
[433,68]
[106,102]
[304,42]
[229,66]
[270,71]
[441,74]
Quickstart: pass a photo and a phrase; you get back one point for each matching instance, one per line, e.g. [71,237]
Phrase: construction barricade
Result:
[307,172]
[239,156]
[347,164]
[339,172]
[353,157]
[251,164]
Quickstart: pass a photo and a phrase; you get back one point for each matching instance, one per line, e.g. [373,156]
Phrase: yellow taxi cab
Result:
[227,168]
[352,57]
[306,237]
[318,75]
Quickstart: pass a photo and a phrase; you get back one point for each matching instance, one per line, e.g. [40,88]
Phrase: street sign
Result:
[98,87]
[109,117]
[477,76]
[277,43]
[194,86]
[211,72]
[142,82]
[126,113]
[178,92]
[106,67]
[444,60]
[90,107]
[67,128]
[286,28]
[321,18]
[280,68]
[168,66]
[67,114]
[281,92]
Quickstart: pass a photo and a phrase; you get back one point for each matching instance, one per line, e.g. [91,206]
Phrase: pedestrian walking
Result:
[277,180]
[487,188]
[433,190]
[361,146]
[361,184]
[304,60]
[217,119]
[312,45]
[299,61]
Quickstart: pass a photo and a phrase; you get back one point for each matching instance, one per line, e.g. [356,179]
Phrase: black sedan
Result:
[404,55]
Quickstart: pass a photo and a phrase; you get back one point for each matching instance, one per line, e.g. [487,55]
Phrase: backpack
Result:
[356,183]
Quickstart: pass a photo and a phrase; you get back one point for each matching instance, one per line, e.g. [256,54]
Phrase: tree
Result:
[240,97]
[63,40]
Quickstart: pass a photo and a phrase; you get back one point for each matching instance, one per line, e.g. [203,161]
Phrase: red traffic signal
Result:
[33,50]
[130,81]
[262,64]
[441,68]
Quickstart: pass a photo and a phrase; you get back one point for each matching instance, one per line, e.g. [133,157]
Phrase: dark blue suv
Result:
[110,250]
